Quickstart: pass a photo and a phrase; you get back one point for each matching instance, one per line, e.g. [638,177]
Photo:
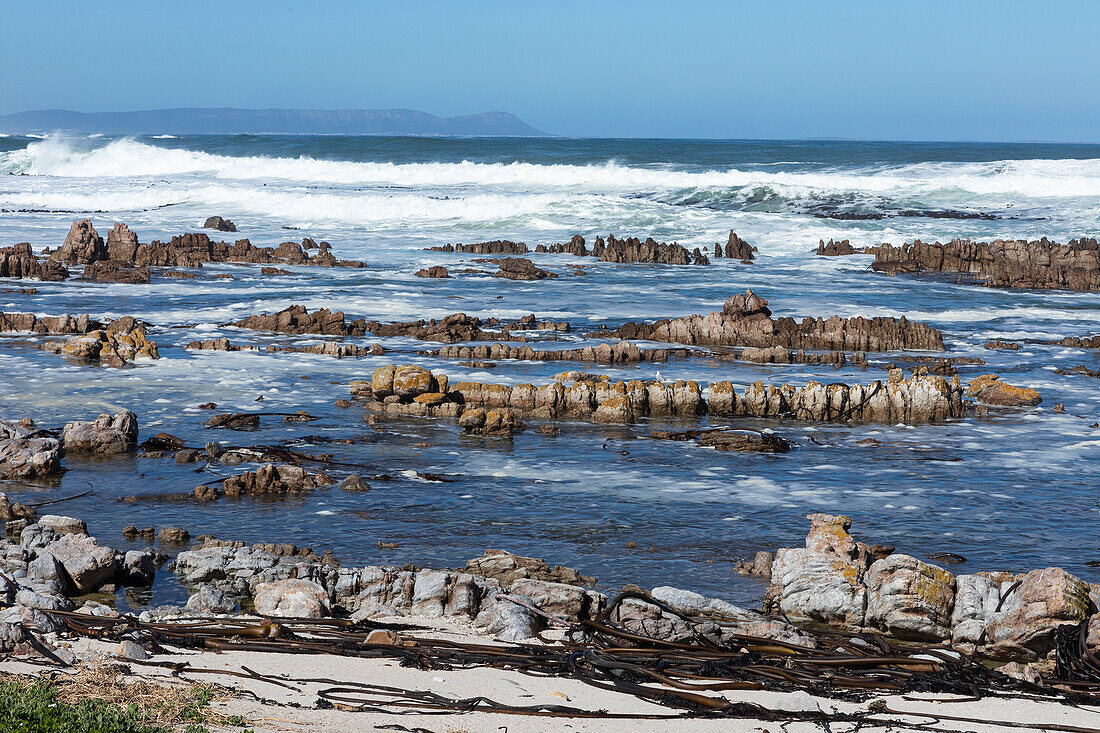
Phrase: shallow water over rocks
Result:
[1012,489]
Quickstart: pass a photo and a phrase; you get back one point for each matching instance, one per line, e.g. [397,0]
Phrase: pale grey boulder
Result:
[88,564]
[976,598]
[292,597]
[910,598]
[1032,612]
[208,599]
[106,435]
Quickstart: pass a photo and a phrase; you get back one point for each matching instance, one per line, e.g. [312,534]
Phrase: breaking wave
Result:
[1039,179]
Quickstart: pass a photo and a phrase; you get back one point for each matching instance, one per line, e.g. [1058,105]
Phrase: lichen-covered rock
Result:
[381,383]
[480,421]
[909,598]
[823,582]
[291,597]
[989,389]
[122,342]
[106,435]
[410,381]
[817,587]
[1033,611]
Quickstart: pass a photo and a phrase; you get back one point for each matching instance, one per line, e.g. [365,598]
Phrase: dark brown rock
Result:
[835,248]
[1001,263]
[18,261]
[516,268]
[297,320]
[82,245]
[737,248]
[222,225]
[497,247]
[434,271]
[746,321]
[111,271]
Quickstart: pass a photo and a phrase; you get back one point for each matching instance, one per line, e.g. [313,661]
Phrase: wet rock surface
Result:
[497,247]
[918,399]
[27,453]
[516,268]
[19,261]
[268,480]
[82,245]
[745,320]
[735,249]
[106,435]
[220,224]
[436,271]
[622,352]
[109,271]
[989,389]
[835,248]
[326,348]
[1001,263]
[630,249]
[120,343]
[126,256]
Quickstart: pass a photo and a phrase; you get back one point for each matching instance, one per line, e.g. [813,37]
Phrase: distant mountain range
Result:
[227,120]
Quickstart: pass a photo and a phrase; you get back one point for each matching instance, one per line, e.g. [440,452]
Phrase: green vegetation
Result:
[71,706]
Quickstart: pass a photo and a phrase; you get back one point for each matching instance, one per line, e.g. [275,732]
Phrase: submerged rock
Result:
[437,271]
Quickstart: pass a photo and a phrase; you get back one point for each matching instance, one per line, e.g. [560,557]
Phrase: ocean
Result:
[1012,490]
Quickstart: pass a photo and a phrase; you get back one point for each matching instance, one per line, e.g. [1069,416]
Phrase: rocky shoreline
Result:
[50,564]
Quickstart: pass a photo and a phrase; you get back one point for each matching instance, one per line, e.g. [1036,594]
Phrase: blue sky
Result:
[925,70]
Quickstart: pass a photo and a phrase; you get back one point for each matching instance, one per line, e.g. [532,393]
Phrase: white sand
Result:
[276,712]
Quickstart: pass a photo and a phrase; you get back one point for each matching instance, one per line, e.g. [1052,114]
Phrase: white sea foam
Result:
[59,156]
